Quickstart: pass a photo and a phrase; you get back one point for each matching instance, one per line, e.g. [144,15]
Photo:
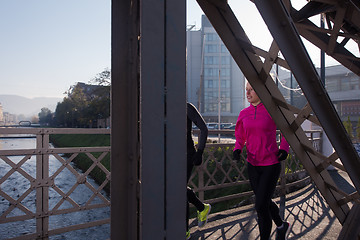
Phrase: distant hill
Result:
[28,106]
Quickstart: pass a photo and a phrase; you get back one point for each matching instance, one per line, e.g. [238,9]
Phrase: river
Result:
[16,185]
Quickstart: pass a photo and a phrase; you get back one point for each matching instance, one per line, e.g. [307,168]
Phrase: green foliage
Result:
[223,156]
[349,128]
[63,113]
[103,78]
[80,140]
[293,164]
[85,104]
[45,117]
[82,161]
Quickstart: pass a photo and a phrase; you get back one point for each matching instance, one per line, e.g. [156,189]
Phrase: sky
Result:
[46,46]
[49,45]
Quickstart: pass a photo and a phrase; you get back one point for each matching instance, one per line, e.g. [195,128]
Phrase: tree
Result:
[45,116]
[62,113]
[79,111]
[358,130]
[348,127]
[102,79]
[100,100]
[85,103]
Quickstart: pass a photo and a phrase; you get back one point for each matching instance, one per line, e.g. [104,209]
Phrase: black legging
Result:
[263,181]
[191,196]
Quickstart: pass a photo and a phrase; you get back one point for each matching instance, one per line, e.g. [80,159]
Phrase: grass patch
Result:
[82,161]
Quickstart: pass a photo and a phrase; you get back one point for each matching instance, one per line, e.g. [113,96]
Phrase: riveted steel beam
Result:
[148,185]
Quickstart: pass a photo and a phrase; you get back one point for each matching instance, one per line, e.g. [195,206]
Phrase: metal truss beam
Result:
[285,34]
[148,96]
[343,25]
[288,118]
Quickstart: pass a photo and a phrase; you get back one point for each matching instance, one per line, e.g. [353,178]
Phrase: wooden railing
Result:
[220,173]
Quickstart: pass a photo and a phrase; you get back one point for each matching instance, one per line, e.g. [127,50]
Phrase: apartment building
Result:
[342,86]
[215,83]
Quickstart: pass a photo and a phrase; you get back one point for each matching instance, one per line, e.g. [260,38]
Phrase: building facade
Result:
[342,86]
[215,83]
[216,86]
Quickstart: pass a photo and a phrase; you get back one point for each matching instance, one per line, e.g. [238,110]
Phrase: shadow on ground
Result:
[306,210]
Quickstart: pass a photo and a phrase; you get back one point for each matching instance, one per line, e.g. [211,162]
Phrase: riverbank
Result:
[82,161]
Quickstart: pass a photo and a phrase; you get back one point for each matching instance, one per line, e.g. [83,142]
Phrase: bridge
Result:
[42,196]
[149,90]
[23,123]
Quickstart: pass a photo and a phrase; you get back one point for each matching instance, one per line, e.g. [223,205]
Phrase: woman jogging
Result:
[257,130]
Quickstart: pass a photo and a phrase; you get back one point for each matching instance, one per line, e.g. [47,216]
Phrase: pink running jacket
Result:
[256,128]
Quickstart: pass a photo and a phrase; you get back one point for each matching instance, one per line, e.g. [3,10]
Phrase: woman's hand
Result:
[282,155]
[236,154]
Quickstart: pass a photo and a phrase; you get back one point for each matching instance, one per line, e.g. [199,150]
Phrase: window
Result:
[211,60]
[225,107]
[225,83]
[224,49]
[345,84]
[211,37]
[225,72]
[225,60]
[354,83]
[331,85]
[210,72]
[211,48]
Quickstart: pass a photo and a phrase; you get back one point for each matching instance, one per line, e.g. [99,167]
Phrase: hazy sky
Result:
[48,45]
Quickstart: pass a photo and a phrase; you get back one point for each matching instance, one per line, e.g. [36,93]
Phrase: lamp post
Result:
[219,91]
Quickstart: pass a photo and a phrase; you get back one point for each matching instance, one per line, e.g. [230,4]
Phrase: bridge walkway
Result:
[288,118]
[307,211]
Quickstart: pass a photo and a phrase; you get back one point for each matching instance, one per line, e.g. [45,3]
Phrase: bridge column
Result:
[148,162]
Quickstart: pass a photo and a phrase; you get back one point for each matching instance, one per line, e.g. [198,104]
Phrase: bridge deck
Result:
[306,210]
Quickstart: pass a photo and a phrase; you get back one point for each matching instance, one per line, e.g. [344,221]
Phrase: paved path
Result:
[306,210]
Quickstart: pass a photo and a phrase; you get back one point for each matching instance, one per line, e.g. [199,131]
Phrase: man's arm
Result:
[194,115]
